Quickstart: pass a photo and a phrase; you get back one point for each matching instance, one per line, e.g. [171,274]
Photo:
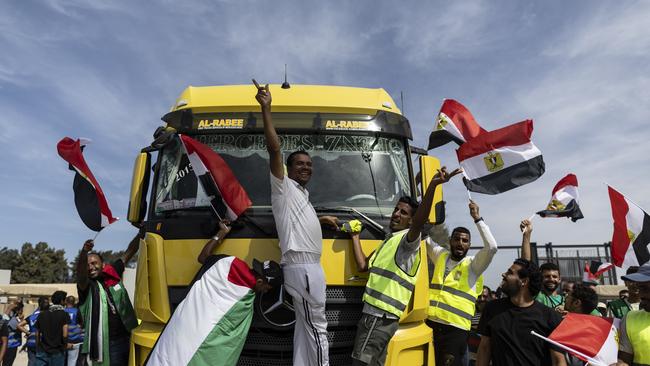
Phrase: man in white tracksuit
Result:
[301,244]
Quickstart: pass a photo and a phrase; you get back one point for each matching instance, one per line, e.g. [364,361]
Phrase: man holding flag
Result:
[214,318]
[634,341]
[105,305]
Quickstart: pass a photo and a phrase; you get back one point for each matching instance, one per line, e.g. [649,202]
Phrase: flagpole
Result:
[589,359]
[469,195]
[532,217]
[617,190]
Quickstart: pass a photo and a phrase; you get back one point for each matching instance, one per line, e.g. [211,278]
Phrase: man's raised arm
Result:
[422,212]
[82,265]
[263,97]
[526,228]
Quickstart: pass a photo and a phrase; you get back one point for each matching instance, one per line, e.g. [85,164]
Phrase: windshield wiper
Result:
[372,223]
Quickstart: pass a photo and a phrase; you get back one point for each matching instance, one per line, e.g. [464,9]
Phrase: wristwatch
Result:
[215,237]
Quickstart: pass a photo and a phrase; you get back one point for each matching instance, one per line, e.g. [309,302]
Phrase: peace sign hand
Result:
[442,176]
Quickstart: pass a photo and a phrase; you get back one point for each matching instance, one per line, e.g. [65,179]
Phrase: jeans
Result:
[73,354]
[31,356]
[50,359]
[119,351]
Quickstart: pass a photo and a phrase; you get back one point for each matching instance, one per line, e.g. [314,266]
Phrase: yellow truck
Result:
[362,163]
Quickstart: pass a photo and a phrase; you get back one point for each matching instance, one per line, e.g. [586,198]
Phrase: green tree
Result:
[40,264]
[9,258]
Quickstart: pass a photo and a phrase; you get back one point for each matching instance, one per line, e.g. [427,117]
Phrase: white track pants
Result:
[306,284]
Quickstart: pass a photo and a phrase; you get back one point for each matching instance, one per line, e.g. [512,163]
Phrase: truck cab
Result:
[359,144]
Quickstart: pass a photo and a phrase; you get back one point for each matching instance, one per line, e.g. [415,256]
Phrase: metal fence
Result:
[572,258]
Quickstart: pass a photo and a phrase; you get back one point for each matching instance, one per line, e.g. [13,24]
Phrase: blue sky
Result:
[109,70]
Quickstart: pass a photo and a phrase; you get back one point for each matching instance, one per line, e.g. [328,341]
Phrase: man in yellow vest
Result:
[455,284]
[393,267]
[634,335]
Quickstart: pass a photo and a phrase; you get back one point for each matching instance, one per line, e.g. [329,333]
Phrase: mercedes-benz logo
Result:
[276,308]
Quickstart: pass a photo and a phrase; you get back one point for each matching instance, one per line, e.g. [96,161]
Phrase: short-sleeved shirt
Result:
[509,327]
[50,326]
[552,301]
[298,227]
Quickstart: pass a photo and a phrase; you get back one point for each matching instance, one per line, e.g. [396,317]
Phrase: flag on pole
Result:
[454,123]
[631,238]
[88,195]
[500,160]
[591,338]
[228,197]
[564,200]
[594,269]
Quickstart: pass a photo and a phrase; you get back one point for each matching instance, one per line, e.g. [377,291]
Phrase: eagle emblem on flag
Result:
[555,205]
[631,236]
[442,122]
[493,161]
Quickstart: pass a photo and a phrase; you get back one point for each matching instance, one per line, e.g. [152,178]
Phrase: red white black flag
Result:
[564,200]
[631,238]
[594,269]
[228,197]
[454,123]
[88,195]
[500,160]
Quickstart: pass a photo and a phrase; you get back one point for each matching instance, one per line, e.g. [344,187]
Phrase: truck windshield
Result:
[367,173]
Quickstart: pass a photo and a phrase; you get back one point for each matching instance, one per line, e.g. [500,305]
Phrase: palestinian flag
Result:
[631,238]
[594,269]
[228,197]
[500,160]
[88,195]
[564,200]
[454,123]
[591,338]
[210,325]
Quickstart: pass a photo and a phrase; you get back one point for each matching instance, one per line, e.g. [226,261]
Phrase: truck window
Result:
[365,172]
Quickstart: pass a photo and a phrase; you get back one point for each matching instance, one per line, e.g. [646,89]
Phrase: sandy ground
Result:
[21,359]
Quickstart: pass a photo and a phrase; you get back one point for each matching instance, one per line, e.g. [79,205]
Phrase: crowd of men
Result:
[471,324]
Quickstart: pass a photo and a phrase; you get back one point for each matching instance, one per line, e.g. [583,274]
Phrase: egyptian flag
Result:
[500,160]
[88,195]
[590,338]
[229,199]
[631,238]
[454,123]
[564,200]
[594,269]
[209,327]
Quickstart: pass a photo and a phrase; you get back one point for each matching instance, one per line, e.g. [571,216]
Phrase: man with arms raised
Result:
[301,243]
[455,285]
[105,305]
[549,295]
[394,268]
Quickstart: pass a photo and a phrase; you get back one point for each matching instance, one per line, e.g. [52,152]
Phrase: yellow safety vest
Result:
[390,288]
[451,300]
[637,325]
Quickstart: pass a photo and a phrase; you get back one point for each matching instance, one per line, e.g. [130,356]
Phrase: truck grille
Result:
[270,347]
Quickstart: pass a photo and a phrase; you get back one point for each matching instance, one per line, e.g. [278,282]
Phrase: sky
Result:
[109,70]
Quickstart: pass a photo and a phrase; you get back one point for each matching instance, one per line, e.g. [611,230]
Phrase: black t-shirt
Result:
[50,326]
[4,331]
[509,327]
[116,328]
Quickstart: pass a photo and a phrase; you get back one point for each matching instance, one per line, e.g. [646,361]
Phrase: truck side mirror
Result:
[139,188]
[428,168]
